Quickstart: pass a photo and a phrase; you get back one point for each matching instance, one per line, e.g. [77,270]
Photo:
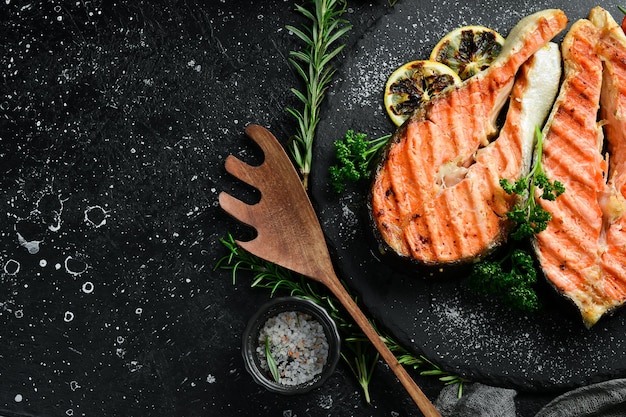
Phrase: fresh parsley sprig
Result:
[354,154]
[313,66]
[529,217]
[510,278]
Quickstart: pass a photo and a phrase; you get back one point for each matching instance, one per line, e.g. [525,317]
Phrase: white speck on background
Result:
[88,287]
[210,379]
[68,316]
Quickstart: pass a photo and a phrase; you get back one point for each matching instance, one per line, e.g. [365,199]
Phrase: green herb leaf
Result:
[354,154]
[361,362]
[271,363]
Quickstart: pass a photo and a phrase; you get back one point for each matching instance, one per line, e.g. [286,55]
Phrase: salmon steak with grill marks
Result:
[583,250]
[435,196]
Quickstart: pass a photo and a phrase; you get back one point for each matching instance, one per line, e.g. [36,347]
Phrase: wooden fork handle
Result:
[420,399]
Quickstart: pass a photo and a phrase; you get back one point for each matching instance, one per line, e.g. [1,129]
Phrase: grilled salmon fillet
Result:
[583,250]
[436,197]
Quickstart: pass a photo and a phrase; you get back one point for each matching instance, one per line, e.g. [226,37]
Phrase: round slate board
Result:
[465,334]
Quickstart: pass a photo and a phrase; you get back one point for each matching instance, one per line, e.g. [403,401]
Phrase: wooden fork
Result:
[289,234]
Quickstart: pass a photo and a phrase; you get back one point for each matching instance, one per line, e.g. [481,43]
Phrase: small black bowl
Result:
[251,337]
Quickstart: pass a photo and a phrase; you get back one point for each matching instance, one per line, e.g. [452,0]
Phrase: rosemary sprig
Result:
[271,362]
[361,360]
[357,352]
[313,66]
[426,367]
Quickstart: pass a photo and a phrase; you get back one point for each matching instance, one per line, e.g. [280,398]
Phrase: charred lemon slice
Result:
[414,84]
[468,49]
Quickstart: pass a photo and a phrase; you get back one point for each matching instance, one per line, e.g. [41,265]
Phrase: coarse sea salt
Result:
[297,344]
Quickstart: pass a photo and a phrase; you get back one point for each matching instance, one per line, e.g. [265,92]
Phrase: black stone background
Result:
[115,120]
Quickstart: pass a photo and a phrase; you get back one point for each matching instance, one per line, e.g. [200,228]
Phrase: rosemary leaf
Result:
[299,95]
[305,12]
[306,38]
[271,362]
[331,55]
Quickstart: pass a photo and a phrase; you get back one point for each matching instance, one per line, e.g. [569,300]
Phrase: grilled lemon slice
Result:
[414,84]
[468,49]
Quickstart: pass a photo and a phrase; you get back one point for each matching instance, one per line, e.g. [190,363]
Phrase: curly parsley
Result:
[354,154]
[512,278]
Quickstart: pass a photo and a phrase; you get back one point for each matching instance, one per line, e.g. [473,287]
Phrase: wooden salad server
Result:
[290,235]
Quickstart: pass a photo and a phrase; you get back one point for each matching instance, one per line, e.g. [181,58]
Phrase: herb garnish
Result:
[361,358]
[271,362]
[419,362]
[312,65]
[354,154]
[529,217]
[512,277]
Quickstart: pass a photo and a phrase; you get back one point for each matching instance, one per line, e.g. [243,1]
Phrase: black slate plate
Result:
[465,334]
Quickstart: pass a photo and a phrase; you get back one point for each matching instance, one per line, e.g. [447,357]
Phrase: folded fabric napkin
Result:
[604,399]
[478,400]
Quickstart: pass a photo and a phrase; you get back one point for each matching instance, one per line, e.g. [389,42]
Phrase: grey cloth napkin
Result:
[478,400]
[604,399]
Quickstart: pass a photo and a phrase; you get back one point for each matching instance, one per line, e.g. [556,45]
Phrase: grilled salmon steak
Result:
[435,196]
[583,250]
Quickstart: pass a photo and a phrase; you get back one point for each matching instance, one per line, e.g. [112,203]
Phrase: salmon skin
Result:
[583,250]
[435,197]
